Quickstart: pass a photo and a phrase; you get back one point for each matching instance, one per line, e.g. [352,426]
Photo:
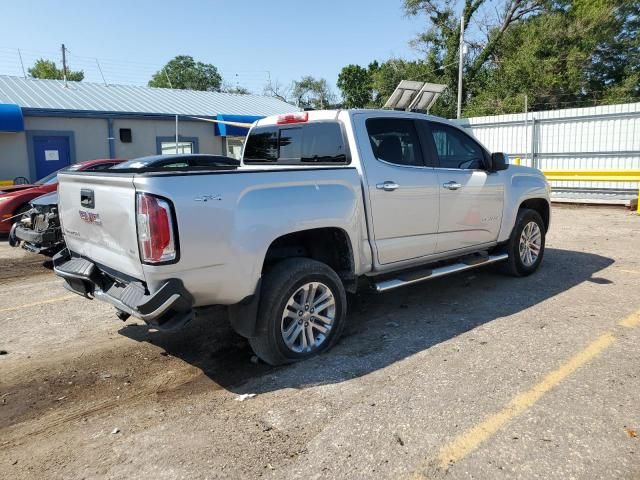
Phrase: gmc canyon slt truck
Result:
[321,203]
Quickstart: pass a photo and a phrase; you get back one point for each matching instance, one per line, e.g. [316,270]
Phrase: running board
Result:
[422,275]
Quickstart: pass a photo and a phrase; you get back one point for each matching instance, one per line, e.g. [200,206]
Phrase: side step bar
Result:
[422,275]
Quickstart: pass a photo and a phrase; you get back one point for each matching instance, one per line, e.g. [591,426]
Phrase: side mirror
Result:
[498,161]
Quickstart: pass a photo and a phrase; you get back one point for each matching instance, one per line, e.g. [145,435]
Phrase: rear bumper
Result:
[168,308]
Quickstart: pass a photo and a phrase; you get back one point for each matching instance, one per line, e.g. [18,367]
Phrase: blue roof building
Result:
[46,125]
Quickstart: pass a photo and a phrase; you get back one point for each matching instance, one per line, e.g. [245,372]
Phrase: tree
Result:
[276,89]
[355,83]
[555,53]
[442,38]
[585,53]
[387,76]
[228,88]
[47,69]
[183,72]
[309,92]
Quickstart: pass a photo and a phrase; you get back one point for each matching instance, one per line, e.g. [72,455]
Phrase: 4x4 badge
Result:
[206,198]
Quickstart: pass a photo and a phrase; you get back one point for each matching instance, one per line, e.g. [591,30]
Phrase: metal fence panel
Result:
[593,138]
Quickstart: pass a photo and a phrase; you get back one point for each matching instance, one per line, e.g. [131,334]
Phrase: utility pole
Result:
[177,135]
[460,65]
[24,73]
[101,74]
[64,65]
[167,77]
[526,124]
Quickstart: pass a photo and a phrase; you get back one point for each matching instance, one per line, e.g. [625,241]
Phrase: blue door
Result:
[51,153]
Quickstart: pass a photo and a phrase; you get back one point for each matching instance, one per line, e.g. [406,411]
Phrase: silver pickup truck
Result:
[321,204]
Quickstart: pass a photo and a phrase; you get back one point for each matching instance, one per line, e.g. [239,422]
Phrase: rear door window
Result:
[394,140]
[320,143]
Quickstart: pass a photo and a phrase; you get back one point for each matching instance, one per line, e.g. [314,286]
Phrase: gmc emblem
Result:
[90,217]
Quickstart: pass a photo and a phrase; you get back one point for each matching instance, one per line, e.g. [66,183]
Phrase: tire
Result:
[282,315]
[520,265]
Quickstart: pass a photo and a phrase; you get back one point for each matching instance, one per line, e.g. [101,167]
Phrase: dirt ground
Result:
[472,376]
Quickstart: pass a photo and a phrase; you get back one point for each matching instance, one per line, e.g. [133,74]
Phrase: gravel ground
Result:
[472,376]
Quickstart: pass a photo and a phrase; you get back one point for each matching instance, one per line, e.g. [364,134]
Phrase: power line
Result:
[105,70]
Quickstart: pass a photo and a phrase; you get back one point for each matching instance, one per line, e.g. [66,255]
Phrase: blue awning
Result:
[11,118]
[223,130]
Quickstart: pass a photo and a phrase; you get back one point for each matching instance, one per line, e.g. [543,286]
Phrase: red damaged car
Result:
[14,199]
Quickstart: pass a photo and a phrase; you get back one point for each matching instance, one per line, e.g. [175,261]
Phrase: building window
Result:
[169,148]
[125,135]
[234,147]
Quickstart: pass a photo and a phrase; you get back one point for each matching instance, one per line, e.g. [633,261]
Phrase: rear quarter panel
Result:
[223,240]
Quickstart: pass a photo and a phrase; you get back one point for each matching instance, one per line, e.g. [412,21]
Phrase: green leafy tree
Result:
[585,53]
[355,84]
[441,40]
[310,92]
[47,69]
[183,72]
[554,53]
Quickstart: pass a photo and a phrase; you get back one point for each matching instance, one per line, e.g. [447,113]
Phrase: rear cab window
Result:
[317,143]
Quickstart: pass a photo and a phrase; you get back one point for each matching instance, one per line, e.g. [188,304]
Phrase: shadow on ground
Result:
[381,329]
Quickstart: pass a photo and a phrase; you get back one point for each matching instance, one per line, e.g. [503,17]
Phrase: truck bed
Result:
[226,220]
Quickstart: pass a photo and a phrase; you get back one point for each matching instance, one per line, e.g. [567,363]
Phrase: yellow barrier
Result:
[4,183]
[595,176]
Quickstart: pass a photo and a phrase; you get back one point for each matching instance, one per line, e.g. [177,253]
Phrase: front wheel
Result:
[302,311]
[526,245]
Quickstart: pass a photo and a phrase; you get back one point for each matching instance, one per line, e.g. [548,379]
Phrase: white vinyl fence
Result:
[594,138]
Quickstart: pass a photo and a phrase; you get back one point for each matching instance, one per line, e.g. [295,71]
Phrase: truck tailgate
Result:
[98,217]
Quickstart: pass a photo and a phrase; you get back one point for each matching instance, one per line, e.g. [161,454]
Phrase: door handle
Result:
[452,185]
[387,186]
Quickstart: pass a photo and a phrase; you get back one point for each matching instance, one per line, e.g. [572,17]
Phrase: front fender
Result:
[523,185]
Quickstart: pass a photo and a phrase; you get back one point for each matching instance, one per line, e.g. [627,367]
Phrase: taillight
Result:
[155,229]
[297,117]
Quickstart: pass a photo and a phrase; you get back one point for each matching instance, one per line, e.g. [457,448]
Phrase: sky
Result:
[248,41]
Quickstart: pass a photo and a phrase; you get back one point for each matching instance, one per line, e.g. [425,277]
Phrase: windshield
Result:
[177,162]
[141,163]
[53,177]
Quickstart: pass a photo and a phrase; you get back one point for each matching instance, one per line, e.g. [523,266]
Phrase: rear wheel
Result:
[302,311]
[526,245]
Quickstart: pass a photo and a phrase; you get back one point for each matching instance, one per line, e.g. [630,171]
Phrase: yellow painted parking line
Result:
[472,438]
[35,304]
[631,321]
